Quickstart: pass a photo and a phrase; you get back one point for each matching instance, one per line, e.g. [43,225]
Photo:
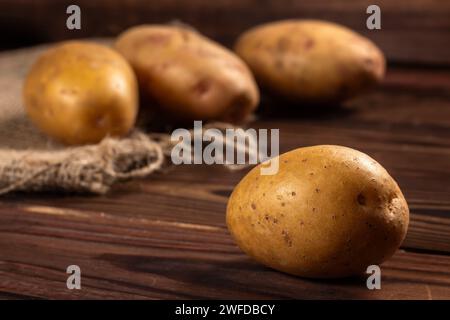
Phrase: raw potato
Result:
[311,61]
[187,75]
[80,92]
[329,212]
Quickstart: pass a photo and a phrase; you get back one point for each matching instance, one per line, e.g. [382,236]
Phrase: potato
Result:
[188,76]
[311,61]
[329,212]
[79,92]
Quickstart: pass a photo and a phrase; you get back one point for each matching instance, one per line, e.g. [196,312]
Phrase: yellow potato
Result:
[329,212]
[311,61]
[188,76]
[80,92]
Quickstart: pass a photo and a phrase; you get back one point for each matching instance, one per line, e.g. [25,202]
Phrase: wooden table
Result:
[165,237]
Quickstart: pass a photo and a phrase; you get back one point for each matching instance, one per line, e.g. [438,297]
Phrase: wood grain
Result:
[165,236]
[413,31]
[147,257]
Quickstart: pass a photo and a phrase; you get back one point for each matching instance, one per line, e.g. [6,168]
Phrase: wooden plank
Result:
[128,257]
[413,31]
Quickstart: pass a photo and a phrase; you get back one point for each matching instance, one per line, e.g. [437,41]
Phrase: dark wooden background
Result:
[165,236]
[413,31]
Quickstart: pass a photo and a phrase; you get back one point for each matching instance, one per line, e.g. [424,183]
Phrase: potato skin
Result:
[311,61]
[188,76]
[79,92]
[329,212]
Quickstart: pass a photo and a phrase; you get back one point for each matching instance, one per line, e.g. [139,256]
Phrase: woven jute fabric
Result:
[29,161]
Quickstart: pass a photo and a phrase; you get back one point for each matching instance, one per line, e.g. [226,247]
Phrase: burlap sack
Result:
[29,161]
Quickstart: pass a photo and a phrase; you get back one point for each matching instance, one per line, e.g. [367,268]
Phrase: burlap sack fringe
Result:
[91,169]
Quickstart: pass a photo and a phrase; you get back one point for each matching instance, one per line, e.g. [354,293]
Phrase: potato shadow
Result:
[238,274]
[273,108]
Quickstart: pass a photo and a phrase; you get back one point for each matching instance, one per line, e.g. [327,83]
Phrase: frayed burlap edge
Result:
[91,169]
[94,168]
